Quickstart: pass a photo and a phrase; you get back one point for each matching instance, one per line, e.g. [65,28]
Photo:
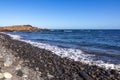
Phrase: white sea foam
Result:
[17,37]
[75,54]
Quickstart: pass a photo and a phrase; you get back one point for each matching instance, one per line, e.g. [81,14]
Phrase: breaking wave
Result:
[76,54]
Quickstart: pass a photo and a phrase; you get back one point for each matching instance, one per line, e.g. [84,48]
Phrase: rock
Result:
[93,76]
[1,62]
[1,76]
[86,76]
[50,76]
[25,76]
[113,72]
[19,73]
[7,75]
[18,67]
[82,68]
[6,65]
[37,68]
[8,60]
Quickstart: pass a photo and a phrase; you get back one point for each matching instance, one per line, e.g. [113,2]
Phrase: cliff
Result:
[18,28]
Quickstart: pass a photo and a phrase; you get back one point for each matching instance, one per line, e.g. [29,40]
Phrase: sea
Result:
[93,47]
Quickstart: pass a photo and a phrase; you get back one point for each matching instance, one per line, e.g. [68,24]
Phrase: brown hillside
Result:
[19,28]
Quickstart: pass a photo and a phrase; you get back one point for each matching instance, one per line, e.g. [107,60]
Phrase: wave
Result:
[101,48]
[76,54]
[17,37]
[67,30]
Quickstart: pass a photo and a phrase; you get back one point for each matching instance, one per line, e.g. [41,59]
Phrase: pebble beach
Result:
[23,61]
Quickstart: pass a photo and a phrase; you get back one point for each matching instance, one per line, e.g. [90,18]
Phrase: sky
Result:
[61,14]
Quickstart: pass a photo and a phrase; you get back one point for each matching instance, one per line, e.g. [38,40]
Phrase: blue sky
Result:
[57,14]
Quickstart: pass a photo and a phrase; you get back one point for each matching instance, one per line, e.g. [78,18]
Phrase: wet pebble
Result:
[7,75]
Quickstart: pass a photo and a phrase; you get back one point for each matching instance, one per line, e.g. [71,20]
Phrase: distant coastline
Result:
[19,28]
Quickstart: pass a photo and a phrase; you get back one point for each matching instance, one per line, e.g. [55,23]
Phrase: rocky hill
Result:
[18,28]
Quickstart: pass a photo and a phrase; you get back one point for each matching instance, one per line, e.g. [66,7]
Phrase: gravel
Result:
[28,62]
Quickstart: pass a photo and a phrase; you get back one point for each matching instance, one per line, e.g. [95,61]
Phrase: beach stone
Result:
[86,76]
[1,59]
[8,60]
[19,73]
[25,70]
[25,76]
[1,62]
[1,76]
[6,65]
[113,72]
[18,67]
[7,75]
[50,76]
[82,68]
[93,76]
[37,68]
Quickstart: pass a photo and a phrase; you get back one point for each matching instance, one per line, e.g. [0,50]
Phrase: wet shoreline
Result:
[58,68]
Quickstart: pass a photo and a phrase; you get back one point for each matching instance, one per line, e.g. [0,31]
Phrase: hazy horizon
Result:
[61,14]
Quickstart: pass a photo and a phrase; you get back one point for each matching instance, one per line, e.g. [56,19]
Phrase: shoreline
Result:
[86,57]
[59,68]
[12,68]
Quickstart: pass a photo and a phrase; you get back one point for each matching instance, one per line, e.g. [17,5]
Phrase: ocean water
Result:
[93,47]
